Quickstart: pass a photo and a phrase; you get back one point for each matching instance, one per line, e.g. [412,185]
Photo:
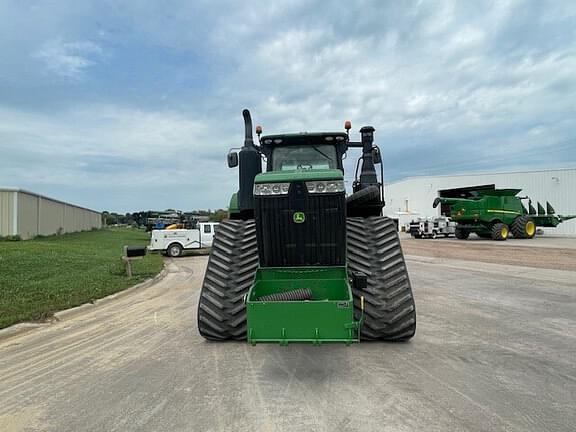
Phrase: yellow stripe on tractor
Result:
[503,211]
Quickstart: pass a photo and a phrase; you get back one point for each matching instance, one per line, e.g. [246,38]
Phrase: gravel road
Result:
[545,252]
[494,351]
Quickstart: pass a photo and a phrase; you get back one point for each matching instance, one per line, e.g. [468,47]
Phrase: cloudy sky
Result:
[129,105]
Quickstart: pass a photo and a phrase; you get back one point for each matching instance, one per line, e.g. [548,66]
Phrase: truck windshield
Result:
[305,157]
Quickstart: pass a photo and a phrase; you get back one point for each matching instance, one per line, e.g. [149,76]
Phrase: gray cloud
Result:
[68,59]
[155,93]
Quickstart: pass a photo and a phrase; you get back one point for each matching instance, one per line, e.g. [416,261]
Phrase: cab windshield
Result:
[304,157]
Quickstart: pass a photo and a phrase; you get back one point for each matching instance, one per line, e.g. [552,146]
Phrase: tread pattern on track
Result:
[229,274]
[374,249]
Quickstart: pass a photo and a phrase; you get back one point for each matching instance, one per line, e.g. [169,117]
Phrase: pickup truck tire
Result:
[174,250]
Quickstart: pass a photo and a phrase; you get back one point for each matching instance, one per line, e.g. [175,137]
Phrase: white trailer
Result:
[173,242]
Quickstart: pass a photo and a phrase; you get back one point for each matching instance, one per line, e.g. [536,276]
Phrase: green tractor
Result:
[496,213]
[297,261]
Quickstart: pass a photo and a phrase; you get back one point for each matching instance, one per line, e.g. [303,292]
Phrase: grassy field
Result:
[39,277]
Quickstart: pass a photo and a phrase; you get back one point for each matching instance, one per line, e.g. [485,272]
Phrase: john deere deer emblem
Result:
[298,217]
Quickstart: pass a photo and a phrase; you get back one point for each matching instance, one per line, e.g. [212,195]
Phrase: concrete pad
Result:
[493,351]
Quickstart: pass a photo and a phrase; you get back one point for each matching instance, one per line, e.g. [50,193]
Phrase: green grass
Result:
[39,277]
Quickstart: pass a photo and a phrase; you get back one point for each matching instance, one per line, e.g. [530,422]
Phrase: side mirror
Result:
[376,155]
[232,159]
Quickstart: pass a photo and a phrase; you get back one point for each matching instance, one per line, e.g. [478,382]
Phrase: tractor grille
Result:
[319,241]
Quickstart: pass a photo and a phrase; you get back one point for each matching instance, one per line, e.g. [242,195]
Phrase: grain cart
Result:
[297,261]
[495,213]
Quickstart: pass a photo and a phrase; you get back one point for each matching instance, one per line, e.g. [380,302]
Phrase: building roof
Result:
[486,173]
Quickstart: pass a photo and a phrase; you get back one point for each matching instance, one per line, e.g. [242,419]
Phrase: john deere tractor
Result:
[297,261]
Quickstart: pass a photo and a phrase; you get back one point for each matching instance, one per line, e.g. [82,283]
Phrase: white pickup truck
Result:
[173,242]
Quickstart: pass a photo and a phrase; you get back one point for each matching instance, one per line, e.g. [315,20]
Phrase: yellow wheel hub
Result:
[504,232]
[530,228]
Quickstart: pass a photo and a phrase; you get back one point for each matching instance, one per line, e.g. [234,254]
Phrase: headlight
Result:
[330,186]
[271,188]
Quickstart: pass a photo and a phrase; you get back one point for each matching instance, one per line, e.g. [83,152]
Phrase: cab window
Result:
[304,157]
[207,229]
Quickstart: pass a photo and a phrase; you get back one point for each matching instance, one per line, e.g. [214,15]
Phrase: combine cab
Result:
[499,213]
[298,261]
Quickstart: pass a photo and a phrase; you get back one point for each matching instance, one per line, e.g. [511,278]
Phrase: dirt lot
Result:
[494,351]
[549,253]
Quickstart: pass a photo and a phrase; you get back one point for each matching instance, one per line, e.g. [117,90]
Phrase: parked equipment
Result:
[173,242]
[432,227]
[497,213]
[298,261]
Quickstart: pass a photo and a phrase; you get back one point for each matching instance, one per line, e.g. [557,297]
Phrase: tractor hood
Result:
[299,175]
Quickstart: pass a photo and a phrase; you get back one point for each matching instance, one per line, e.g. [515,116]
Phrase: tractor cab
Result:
[304,151]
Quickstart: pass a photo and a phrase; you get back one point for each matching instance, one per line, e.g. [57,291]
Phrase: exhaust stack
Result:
[250,166]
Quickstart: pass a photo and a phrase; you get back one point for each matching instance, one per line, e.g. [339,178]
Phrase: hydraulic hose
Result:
[293,295]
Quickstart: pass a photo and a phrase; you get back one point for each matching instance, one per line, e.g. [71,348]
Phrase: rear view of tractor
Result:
[499,213]
[298,261]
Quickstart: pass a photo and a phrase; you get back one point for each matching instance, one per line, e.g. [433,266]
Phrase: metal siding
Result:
[51,217]
[39,215]
[555,186]
[6,213]
[27,215]
[69,219]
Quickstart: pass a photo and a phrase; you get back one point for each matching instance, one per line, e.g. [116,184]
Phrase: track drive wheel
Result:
[374,249]
[231,268]
[461,234]
[523,227]
[500,231]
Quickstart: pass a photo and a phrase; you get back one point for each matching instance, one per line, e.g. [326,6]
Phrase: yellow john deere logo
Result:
[298,217]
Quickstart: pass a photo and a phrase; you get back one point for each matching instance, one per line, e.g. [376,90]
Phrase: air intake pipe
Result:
[368,175]
[250,166]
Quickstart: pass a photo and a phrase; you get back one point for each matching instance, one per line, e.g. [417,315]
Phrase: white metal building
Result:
[413,196]
[28,214]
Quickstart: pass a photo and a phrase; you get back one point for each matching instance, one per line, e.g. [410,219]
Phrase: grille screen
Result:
[319,240]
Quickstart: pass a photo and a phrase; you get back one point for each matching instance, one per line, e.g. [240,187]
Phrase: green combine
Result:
[496,213]
[298,261]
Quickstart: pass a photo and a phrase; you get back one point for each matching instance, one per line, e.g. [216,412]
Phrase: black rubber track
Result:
[231,267]
[374,249]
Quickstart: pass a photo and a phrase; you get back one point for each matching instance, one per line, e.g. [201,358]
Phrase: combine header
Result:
[298,261]
[497,213]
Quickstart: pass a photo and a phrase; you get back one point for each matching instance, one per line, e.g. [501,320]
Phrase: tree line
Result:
[141,218]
